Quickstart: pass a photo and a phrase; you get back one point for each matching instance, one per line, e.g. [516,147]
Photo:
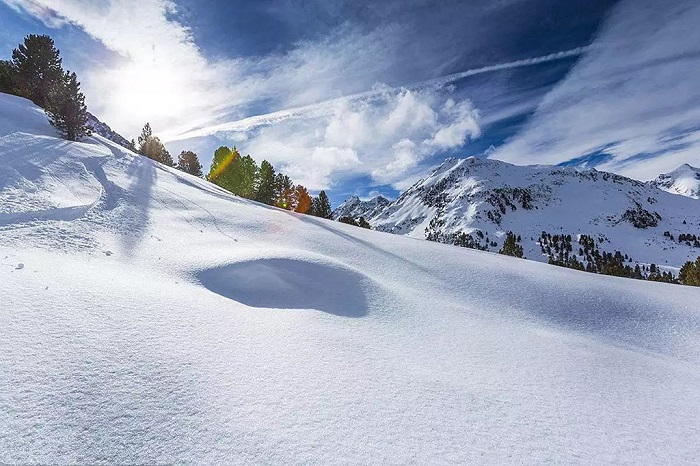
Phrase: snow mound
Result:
[284,283]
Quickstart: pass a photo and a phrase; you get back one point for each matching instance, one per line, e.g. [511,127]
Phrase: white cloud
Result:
[387,136]
[634,95]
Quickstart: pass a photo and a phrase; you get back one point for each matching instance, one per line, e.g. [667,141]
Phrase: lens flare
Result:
[223,165]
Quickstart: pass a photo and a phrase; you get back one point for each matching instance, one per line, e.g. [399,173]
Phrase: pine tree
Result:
[511,246]
[248,174]
[265,191]
[302,200]
[321,206]
[151,147]
[66,109]
[188,162]
[146,134]
[690,273]
[362,223]
[37,63]
[284,191]
[7,77]
[221,171]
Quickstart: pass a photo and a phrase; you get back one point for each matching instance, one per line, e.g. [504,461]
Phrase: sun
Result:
[148,90]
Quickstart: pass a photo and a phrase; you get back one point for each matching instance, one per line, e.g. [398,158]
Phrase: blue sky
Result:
[363,97]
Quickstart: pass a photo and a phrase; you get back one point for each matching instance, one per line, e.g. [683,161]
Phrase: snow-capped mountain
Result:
[355,207]
[105,131]
[474,202]
[684,180]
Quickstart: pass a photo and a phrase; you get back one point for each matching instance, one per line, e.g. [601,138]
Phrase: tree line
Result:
[240,175]
[560,250]
[36,72]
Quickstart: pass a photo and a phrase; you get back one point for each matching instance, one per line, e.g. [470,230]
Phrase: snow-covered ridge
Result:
[684,180]
[105,131]
[488,198]
[354,207]
[149,317]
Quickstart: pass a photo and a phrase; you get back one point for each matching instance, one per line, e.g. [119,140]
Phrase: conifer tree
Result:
[265,191]
[690,273]
[222,170]
[248,174]
[321,206]
[511,246]
[188,162]
[151,147]
[284,191]
[7,77]
[302,200]
[66,109]
[362,223]
[37,64]
[146,134]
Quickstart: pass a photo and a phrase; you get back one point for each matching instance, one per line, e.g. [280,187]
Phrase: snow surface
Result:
[149,317]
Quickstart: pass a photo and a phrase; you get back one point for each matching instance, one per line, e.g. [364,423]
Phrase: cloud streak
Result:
[632,101]
[328,107]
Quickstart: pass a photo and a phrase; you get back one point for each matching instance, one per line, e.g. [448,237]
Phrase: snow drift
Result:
[149,317]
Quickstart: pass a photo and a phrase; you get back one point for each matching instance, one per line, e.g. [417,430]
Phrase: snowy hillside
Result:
[685,180]
[355,207]
[482,199]
[150,317]
[105,131]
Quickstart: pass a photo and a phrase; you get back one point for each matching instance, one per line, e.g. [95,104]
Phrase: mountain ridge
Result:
[474,202]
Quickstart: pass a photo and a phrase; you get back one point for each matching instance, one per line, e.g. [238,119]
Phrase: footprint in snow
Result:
[108,253]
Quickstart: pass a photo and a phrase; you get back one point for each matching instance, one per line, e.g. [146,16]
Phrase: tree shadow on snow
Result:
[143,173]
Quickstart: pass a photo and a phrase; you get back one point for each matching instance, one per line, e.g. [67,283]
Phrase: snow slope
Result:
[149,317]
[493,197]
[684,180]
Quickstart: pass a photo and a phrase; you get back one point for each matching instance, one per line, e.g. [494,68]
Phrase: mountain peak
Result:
[684,180]
[355,207]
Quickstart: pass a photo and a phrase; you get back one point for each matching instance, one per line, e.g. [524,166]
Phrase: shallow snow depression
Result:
[149,317]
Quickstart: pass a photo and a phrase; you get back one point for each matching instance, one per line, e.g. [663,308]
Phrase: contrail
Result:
[326,107]
[450,78]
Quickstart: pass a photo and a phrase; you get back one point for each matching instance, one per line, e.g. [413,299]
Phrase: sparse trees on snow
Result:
[151,147]
[188,162]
